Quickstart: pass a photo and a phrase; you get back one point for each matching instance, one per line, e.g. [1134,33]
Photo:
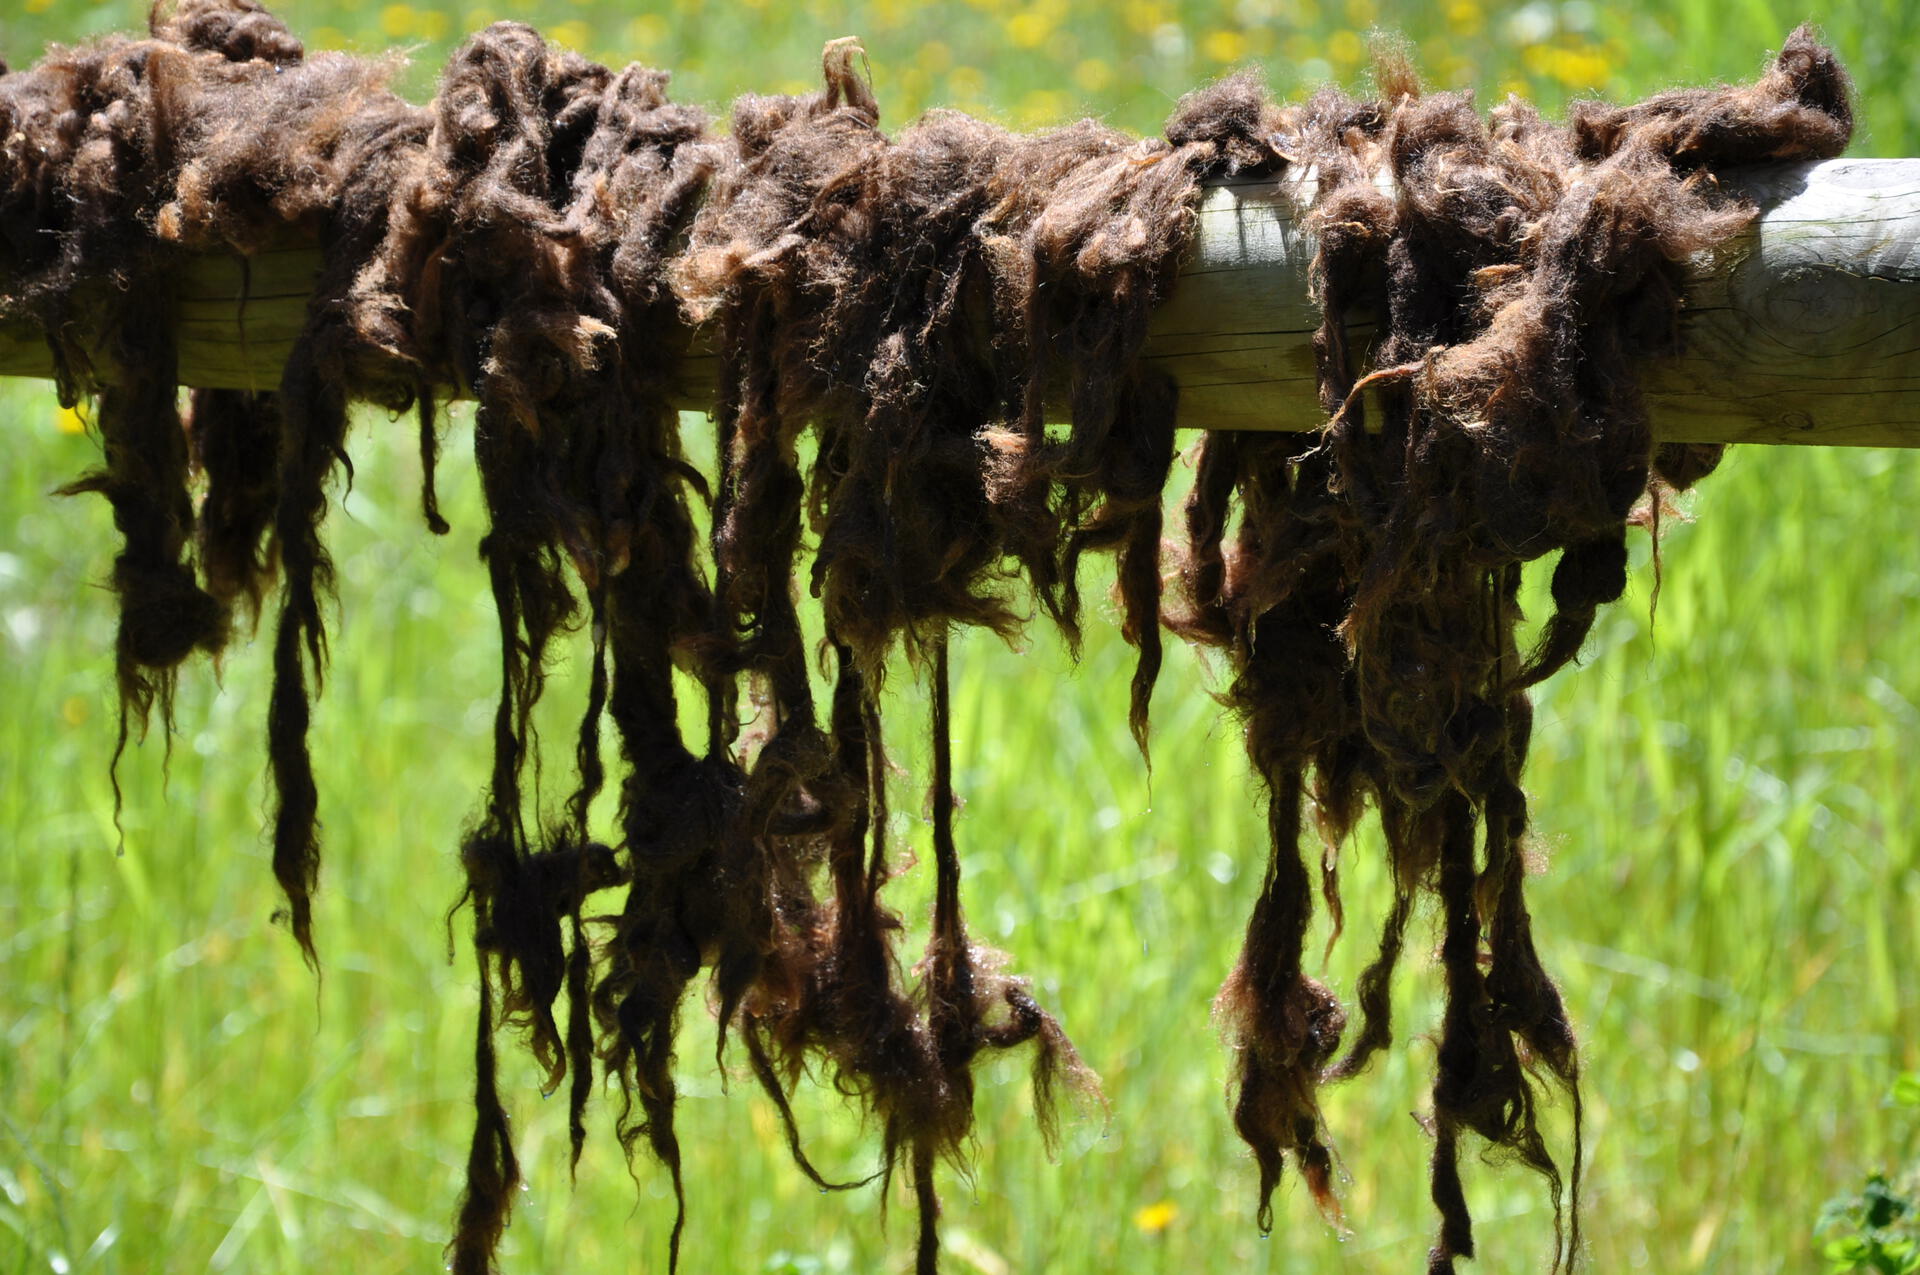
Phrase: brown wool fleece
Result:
[1369,598]
[919,304]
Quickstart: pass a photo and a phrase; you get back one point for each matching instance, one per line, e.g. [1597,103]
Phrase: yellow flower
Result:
[573,34]
[1346,48]
[1144,17]
[966,82]
[71,420]
[1029,29]
[913,86]
[1224,46]
[1156,1217]
[396,21]
[1464,17]
[1093,75]
[1043,106]
[1581,68]
[647,31]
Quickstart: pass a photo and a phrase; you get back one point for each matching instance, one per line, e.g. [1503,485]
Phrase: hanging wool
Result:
[903,322]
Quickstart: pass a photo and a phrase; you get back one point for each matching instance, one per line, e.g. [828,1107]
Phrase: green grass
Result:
[1727,796]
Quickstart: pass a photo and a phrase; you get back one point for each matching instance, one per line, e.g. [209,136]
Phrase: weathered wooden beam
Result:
[1805,329]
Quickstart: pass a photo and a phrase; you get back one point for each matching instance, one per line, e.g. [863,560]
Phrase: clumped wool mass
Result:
[542,238]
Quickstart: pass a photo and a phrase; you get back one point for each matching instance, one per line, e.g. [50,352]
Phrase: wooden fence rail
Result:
[1805,329]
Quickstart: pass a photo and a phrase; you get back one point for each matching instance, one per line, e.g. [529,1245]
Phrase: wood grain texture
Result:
[1804,329]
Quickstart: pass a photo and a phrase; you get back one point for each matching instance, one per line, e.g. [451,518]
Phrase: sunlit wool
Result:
[540,237]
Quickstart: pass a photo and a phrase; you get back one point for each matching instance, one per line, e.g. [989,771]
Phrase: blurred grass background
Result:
[1727,796]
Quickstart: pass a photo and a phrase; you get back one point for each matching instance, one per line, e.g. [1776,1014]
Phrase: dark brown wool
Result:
[920,305]
[1370,597]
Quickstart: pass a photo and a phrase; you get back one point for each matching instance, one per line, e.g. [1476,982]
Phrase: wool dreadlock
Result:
[89,154]
[1370,599]
[920,304]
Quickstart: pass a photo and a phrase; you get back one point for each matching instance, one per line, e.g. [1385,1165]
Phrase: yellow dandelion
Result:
[647,31]
[966,82]
[1224,46]
[1585,68]
[396,21]
[71,420]
[764,1127]
[1093,75]
[1346,48]
[913,86]
[1144,17]
[572,34]
[1156,1217]
[1029,29]
[934,57]
[74,711]
[1464,17]
[1262,40]
[1580,68]
[1043,106]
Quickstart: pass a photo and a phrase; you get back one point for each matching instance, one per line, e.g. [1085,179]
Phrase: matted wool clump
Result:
[928,306]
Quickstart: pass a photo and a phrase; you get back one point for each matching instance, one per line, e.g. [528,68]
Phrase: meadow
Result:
[1725,793]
